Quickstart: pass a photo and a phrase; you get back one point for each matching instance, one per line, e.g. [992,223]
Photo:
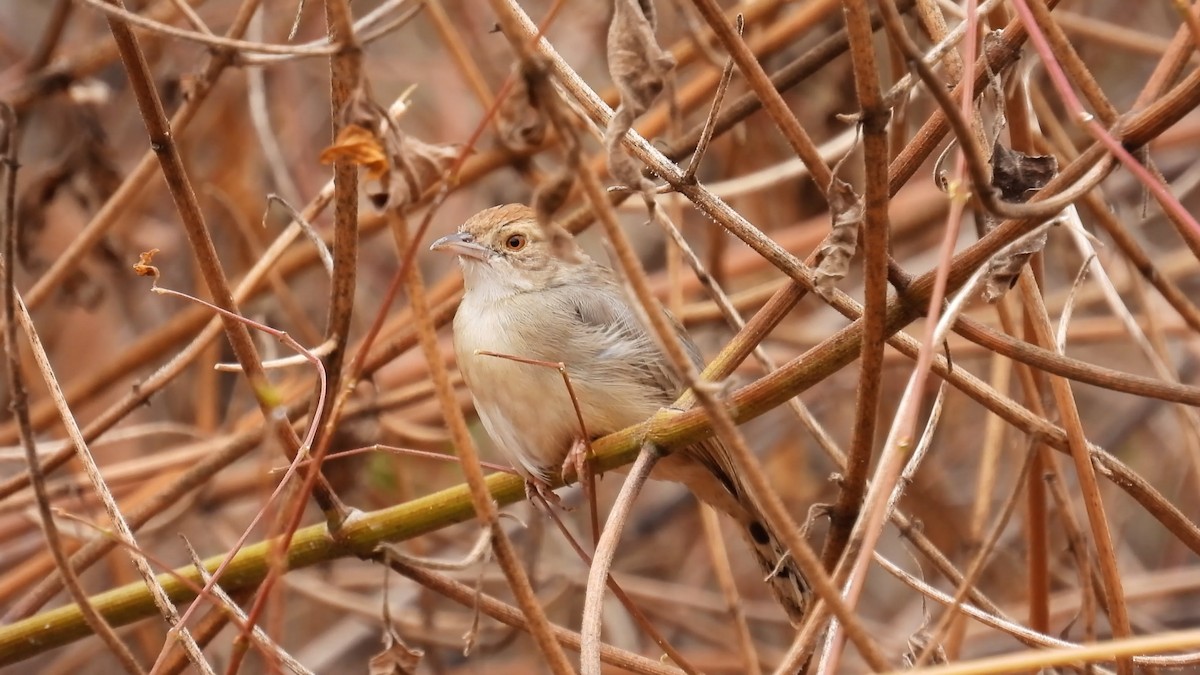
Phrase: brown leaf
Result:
[1017,176]
[399,166]
[396,657]
[415,166]
[918,642]
[551,195]
[143,268]
[360,146]
[1003,270]
[839,246]
[638,66]
[520,124]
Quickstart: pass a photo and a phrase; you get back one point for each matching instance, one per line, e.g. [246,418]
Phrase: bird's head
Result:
[506,249]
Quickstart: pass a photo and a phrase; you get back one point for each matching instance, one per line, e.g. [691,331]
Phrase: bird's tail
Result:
[782,574]
[714,480]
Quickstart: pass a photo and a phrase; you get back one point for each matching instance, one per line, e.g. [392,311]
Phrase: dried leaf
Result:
[399,166]
[838,248]
[1003,270]
[143,268]
[359,146]
[551,195]
[1017,176]
[918,642]
[638,66]
[396,657]
[415,166]
[520,124]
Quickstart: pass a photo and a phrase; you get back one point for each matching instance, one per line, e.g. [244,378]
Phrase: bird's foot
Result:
[578,459]
[539,488]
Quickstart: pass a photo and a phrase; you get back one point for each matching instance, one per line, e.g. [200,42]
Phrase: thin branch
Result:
[598,573]
[19,399]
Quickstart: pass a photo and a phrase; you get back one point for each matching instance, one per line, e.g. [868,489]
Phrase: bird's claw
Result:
[577,459]
[537,488]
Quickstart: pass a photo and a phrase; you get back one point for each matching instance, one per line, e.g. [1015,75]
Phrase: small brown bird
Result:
[531,292]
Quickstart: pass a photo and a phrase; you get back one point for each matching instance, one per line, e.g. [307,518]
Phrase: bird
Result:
[532,294]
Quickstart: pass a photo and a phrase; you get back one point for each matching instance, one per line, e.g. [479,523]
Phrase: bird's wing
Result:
[607,312]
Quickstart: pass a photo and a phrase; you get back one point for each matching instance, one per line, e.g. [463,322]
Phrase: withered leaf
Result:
[1017,176]
[143,267]
[639,67]
[360,146]
[918,642]
[415,166]
[399,166]
[551,195]
[636,62]
[1004,269]
[520,124]
[396,657]
[839,246]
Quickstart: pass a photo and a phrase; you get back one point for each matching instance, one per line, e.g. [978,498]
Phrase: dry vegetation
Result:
[1031,405]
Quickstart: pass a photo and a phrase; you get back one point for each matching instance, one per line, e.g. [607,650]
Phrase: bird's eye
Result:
[515,242]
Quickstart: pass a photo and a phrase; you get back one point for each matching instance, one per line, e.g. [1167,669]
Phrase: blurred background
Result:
[261,130]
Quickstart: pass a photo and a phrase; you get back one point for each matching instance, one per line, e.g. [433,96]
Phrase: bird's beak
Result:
[463,244]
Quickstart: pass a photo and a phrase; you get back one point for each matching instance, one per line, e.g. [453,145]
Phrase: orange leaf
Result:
[142,267]
[360,146]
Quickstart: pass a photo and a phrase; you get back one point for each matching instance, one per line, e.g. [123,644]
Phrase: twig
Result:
[260,116]
[875,247]
[638,616]
[593,599]
[19,399]
[118,13]
[979,559]
[1002,664]
[296,462]
[867,530]
[1085,471]
[1117,148]
[513,616]
[772,101]
[257,634]
[711,522]
[710,122]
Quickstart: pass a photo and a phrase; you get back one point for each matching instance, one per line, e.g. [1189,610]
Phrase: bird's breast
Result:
[525,407]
